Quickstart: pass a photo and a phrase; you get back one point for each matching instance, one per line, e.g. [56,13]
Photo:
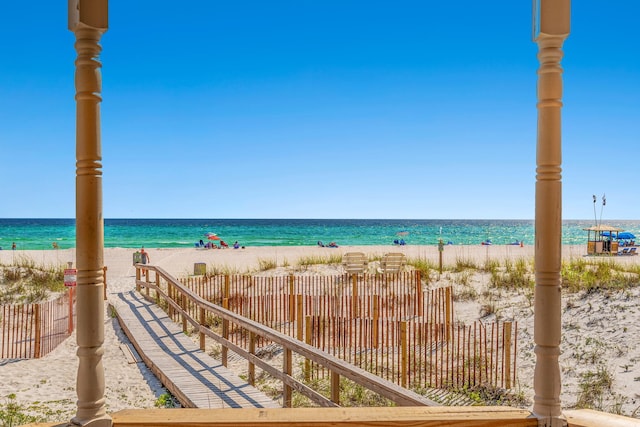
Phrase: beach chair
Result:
[625,251]
[354,262]
[392,262]
[633,251]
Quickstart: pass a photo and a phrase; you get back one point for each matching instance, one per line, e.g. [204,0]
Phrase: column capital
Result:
[88,13]
[551,18]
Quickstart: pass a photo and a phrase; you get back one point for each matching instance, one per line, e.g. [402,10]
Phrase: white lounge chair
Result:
[392,262]
[354,262]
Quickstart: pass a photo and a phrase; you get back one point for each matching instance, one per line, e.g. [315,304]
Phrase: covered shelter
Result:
[603,241]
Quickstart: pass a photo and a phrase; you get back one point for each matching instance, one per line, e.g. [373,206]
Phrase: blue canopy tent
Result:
[623,235]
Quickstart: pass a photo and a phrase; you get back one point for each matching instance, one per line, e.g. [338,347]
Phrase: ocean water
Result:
[175,233]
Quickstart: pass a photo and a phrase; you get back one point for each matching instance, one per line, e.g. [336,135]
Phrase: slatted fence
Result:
[417,354]
[386,324]
[33,330]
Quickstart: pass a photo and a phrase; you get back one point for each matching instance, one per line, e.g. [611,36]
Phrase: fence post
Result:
[157,284]
[335,388]
[307,339]
[226,288]
[299,318]
[506,349]
[183,306]
[203,320]
[170,297]
[225,331]
[104,282]
[405,357]
[71,289]
[137,279]
[447,320]
[376,315]
[252,367]
[354,296]
[419,296]
[292,299]
[286,389]
[38,332]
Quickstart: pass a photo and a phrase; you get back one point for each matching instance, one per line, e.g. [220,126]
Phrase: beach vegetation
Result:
[512,279]
[13,413]
[462,264]
[217,270]
[490,395]
[594,387]
[591,276]
[310,260]
[24,283]
[267,264]
[492,265]
[166,400]
[424,266]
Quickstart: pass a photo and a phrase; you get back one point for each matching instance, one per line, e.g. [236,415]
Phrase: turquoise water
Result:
[175,233]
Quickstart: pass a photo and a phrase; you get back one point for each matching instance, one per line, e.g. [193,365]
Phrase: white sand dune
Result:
[600,330]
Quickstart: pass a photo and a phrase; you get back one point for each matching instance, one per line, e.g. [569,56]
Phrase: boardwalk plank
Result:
[195,378]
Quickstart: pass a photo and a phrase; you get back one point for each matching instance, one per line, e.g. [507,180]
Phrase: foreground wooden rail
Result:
[170,291]
[475,416]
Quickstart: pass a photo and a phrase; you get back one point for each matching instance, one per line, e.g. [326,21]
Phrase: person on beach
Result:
[13,246]
[236,245]
[144,256]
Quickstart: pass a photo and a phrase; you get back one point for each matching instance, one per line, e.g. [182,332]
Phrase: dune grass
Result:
[25,282]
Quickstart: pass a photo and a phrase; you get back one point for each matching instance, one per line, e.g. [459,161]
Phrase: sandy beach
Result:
[600,329]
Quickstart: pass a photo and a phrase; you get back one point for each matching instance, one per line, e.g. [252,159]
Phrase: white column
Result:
[554,28]
[88,20]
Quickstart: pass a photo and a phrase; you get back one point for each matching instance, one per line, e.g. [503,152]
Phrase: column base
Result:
[102,421]
[557,421]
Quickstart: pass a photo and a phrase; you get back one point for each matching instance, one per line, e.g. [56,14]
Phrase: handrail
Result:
[337,367]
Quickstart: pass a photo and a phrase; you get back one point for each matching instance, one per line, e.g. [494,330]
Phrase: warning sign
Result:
[70,276]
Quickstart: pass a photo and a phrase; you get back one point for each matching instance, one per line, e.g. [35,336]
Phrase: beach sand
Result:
[600,329]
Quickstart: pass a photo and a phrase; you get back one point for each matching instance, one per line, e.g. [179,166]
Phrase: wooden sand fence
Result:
[386,324]
[34,330]
[418,354]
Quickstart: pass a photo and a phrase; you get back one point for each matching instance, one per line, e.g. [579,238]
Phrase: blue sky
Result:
[319,109]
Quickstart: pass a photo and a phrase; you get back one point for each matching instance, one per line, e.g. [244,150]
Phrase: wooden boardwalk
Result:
[193,377]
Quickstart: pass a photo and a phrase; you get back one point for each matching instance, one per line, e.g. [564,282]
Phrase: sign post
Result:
[440,250]
[70,279]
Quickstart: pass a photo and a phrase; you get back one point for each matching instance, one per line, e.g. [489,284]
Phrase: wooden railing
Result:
[386,324]
[177,299]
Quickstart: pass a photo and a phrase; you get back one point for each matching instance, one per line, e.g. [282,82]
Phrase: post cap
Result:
[90,13]
[551,17]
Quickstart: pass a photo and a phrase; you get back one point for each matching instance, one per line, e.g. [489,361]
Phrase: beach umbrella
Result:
[212,236]
[626,235]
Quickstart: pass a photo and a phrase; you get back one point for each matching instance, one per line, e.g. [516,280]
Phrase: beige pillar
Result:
[88,20]
[553,29]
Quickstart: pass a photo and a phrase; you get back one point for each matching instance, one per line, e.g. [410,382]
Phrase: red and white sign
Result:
[70,276]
